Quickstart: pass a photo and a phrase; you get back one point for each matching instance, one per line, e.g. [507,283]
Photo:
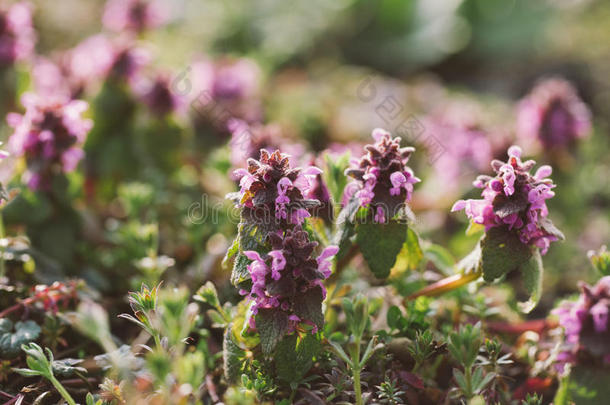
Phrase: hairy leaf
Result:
[380,245]
[531,272]
[501,253]
[309,306]
[272,325]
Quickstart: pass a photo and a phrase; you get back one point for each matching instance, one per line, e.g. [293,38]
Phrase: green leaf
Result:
[531,272]
[411,255]
[5,326]
[600,260]
[501,253]
[232,251]
[440,257]
[10,343]
[67,367]
[334,176]
[547,225]
[294,356]
[380,244]
[272,325]
[586,386]
[232,356]
[309,306]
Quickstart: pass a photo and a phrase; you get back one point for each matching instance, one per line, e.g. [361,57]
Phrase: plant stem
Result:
[468,378]
[62,391]
[356,372]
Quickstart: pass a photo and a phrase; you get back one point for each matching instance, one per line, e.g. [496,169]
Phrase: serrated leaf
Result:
[272,325]
[411,255]
[472,262]
[380,245]
[232,251]
[232,356]
[501,253]
[294,356]
[531,272]
[308,306]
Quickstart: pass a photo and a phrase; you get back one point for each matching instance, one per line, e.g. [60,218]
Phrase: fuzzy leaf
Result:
[531,272]
[67,367]
[272,325]
[501,253]
[309,306]
[504,206]
[294,356]
[232,356]
[380,244]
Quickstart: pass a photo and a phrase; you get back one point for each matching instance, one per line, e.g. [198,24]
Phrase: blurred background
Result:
[461,80]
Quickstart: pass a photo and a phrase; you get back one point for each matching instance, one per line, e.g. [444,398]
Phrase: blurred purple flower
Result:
[553,114]
[226,88]
[17,36]
[134,15]
[586,326]
[49,135]
[383,181]
[158,96]
[514,198]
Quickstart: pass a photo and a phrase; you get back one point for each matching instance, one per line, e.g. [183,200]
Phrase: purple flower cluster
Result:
[49,136]
[158,96]
[515,199]
[17,36]
[554,114]
[269,185]
[586,325]
[288,270]
[133,15]
[225,89]
[383,181]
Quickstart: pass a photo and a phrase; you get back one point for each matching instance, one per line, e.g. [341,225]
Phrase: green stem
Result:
[468,377]
[62,391]
[356,372]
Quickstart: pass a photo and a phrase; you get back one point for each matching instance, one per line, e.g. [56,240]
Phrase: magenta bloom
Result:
[158,96]
[383,181]
[225,89]
[98,58]
[272,194]
[49,135]
[586,325]
[133,15]
[285,272]
[515,199]
[17,36]
[553,114]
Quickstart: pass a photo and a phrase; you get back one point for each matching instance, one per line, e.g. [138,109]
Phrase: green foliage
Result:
[294,357]
[501,253]
[11,340]
[531,272]
[272,325]
[380,245]
[600,260]
[584,385]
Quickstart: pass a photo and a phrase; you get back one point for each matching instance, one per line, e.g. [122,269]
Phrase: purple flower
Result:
[225,89]
[158,96]
[383,181]
[287,271]
[17,36]
[134,15]
[553,114]
[515,199]
[269,186]
[49,135]
[586,326]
